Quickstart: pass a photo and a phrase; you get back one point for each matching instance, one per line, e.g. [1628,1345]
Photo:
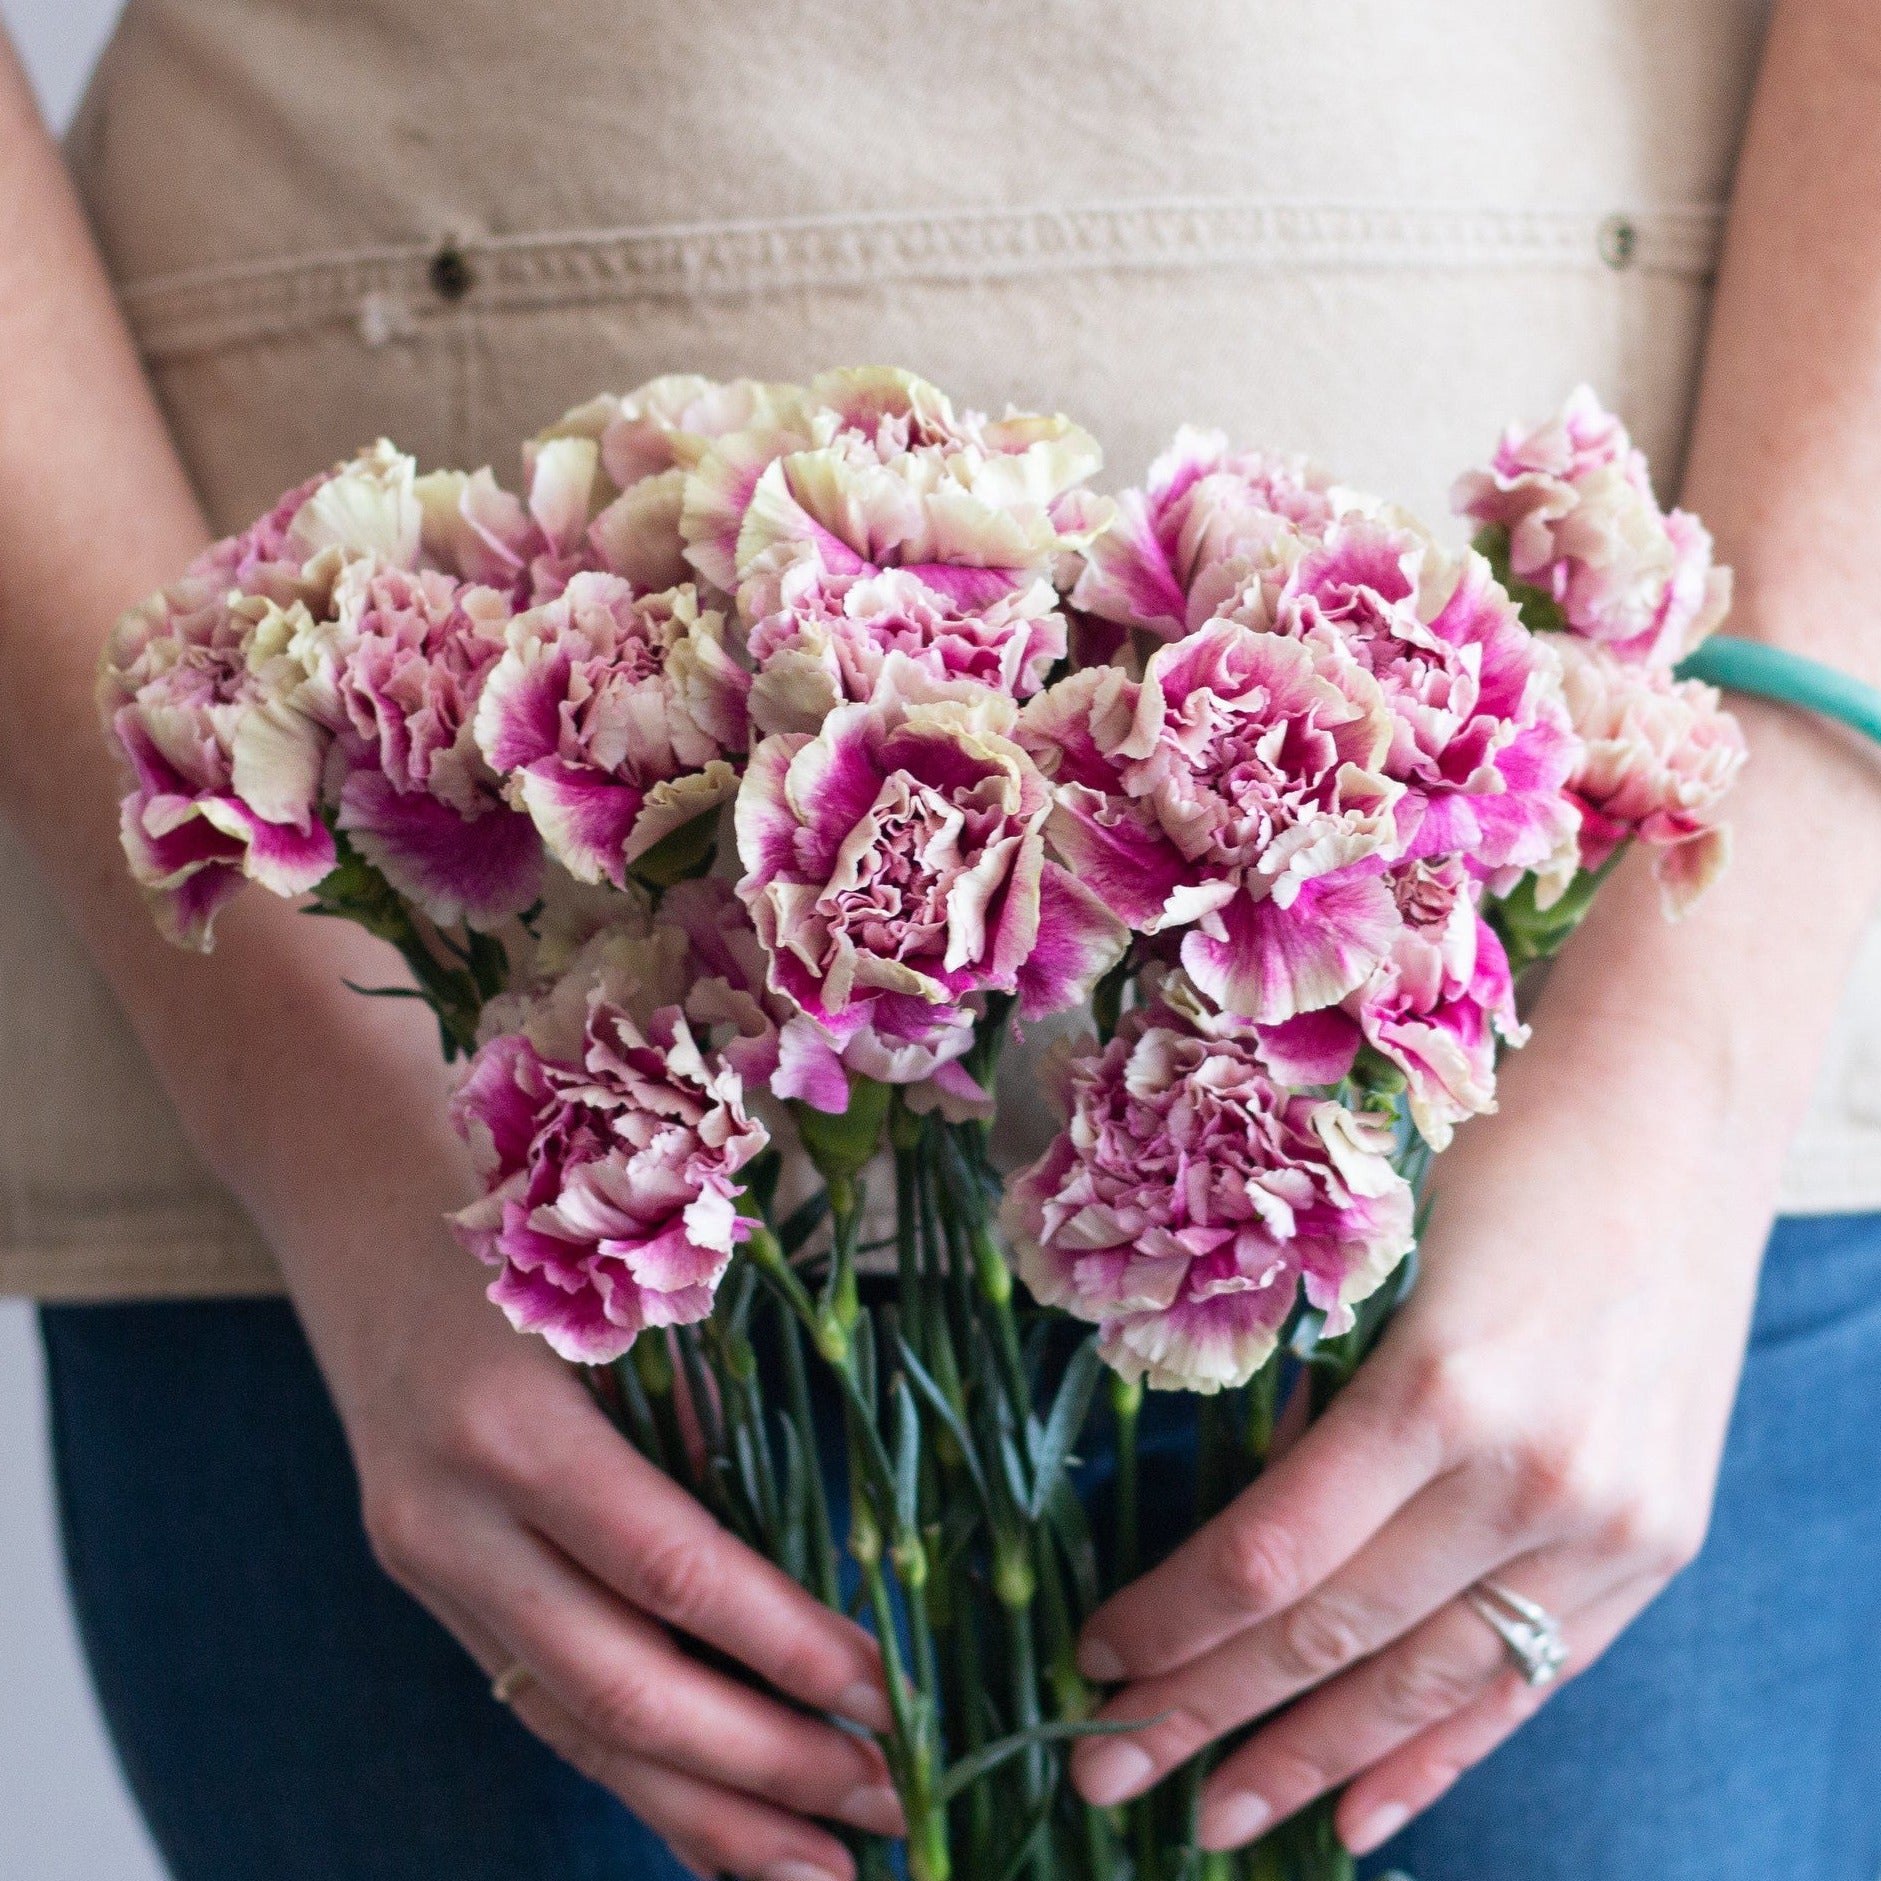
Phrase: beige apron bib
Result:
[1366,229]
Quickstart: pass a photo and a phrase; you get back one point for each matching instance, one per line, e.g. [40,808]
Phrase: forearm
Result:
[1785,467]
[270,1059]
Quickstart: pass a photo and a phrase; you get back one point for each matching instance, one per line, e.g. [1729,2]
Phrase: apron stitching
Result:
[389,292]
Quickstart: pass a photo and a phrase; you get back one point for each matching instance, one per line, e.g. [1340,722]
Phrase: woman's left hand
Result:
[1547,1411]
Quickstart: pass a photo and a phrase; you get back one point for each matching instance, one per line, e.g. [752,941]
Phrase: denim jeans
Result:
[284,1711]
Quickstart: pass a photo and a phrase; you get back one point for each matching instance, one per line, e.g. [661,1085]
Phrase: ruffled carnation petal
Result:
[480,870]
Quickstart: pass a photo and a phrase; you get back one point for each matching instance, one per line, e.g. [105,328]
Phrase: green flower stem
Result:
[638,1412]
[1014,1583]
[353,890]
[1126,1404]
[970,1716]
[914,1745]
[1263,1412]
[914,1757]
[655,1365]
[822,1551]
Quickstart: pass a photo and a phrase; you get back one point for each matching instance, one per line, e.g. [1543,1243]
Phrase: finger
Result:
[638,1532]
[631,1687]
[1309,1514]
[1437,1545]
[711,1829]
[1420,1770]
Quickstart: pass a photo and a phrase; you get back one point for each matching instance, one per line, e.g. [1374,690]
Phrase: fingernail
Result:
[793,1870]
[1110,1772]
[875,1807]
[866,1705]
[1230,1820]
[1098,1661]
[1380,1826]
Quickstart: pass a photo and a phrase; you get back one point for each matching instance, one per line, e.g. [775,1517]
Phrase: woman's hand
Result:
[495,1489]
[1548,1411]
[497,1493]
[1549,1408]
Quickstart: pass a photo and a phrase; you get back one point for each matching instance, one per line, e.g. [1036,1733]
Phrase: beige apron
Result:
[1368,229]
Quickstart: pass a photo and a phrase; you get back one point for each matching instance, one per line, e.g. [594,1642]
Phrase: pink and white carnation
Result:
[650,439]
[206,703]
[610,1146]
[614,716]
[874,468]
[603,489]
[896,869]
[1659,756]
[1239,796]
[529,546]
[1190,1200]
[1480,733]
[822,639]
[1584,527]
[1202,506]
[1438,1007]
[207,693]
[399,670]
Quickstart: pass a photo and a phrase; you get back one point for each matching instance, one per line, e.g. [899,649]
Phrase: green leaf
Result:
[1065,1425]
[1066,1518]
[679,855]
[1014,1470]
[802,1222]
[937,1402]
[907,1458]
[970,1769]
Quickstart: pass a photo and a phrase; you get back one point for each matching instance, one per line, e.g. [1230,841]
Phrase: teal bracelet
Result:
[1789,678]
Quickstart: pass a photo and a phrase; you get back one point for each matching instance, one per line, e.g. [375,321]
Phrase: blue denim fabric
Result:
[1734,1731]
[284,1711]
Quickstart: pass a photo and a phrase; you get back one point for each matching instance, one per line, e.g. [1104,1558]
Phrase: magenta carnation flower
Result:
[1203,506]
[1438,1007]
[613,716]
[1659,756]
[895,868]
[1189,1201]
[1584,526]
[822,639]
[401,667]
[610,1147]
[1480,733]
[1237,794]
[874,468]
[206,703]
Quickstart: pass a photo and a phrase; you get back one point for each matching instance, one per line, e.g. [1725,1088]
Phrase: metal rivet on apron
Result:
[1619,241]
[451,275]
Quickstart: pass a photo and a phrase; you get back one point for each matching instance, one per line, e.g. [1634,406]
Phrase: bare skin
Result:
[1550,1408]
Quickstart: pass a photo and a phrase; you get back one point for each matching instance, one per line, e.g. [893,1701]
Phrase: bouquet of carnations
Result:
[784,758]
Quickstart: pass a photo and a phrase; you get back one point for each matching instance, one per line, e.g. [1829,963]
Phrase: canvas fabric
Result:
[1368,230]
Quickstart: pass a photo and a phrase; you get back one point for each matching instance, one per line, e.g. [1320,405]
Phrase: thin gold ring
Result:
[511,1683]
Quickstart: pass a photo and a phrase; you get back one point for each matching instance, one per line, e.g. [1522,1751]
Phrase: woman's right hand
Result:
[497,1492]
